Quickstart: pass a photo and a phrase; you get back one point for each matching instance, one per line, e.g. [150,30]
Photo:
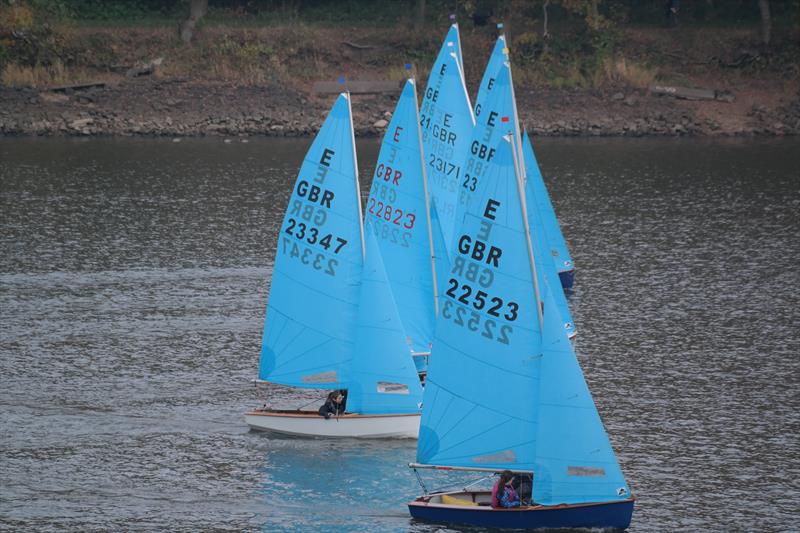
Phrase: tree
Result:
[766,21]
[197,11]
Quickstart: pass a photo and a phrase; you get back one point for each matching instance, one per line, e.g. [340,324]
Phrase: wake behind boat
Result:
[332,322]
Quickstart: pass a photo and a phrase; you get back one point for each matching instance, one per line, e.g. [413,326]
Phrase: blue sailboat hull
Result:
[615,515]
[567,278]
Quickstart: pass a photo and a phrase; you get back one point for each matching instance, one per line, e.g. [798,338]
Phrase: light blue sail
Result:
[546,268]
[503,392]
[396,214]
[496,60]
[309,328]
[556,244]
[383,378]
[446,120]
[574,459]
[483,372]
[496,120]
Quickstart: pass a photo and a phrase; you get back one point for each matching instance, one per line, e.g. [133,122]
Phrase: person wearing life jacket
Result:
[503,493]
[334,404]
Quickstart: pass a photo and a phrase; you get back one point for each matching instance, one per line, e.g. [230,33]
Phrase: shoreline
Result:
[177,107]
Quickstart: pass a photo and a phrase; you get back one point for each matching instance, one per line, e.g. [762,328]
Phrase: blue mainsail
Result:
[309,325]
[556,244]
[504,389]
[496,60]
[478,409]
[446,119]
[397,215]
[383,379]
[495,121]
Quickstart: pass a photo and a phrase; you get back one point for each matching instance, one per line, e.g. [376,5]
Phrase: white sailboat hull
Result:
[310,424]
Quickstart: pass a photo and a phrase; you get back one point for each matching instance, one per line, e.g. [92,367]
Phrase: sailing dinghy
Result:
[504,389]
[331,322]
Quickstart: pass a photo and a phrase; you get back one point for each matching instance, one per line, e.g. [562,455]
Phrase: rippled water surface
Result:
[133,281]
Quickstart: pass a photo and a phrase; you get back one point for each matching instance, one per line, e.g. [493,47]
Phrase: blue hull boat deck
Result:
[567,278]
[475,511]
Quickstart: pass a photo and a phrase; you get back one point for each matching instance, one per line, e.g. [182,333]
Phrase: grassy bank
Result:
[41,48]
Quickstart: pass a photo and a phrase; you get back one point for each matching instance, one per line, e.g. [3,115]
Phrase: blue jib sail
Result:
[574,459]
[397,215]
[546,268]
[496,60]
[384,378]
[446,120]
[503,392]
[309,327]
[555,239]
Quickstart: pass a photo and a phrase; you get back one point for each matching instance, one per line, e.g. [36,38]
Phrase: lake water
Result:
[133,282]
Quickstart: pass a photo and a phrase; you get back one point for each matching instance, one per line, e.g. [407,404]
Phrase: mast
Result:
[524,207]
[427,201]
[358,187]
[518,136]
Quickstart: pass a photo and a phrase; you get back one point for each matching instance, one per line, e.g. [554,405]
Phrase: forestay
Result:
[384,378]
[446,119]
[556,244]
[397,215]
[309,327]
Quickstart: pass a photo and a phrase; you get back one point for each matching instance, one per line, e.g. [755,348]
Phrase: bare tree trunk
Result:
[593,14]
[420,12]
[766,21]
[545,31]
[197,11]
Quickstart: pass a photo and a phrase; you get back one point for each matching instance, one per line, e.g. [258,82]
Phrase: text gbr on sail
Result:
[477,250]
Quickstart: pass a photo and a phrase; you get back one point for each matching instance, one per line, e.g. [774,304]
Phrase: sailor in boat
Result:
[334,405]
[503,493]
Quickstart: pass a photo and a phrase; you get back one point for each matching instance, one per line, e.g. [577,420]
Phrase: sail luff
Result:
[464,86]
[460,56]
[427,200]
[358,186]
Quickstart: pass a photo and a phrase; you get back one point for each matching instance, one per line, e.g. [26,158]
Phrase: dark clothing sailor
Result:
[334,404]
